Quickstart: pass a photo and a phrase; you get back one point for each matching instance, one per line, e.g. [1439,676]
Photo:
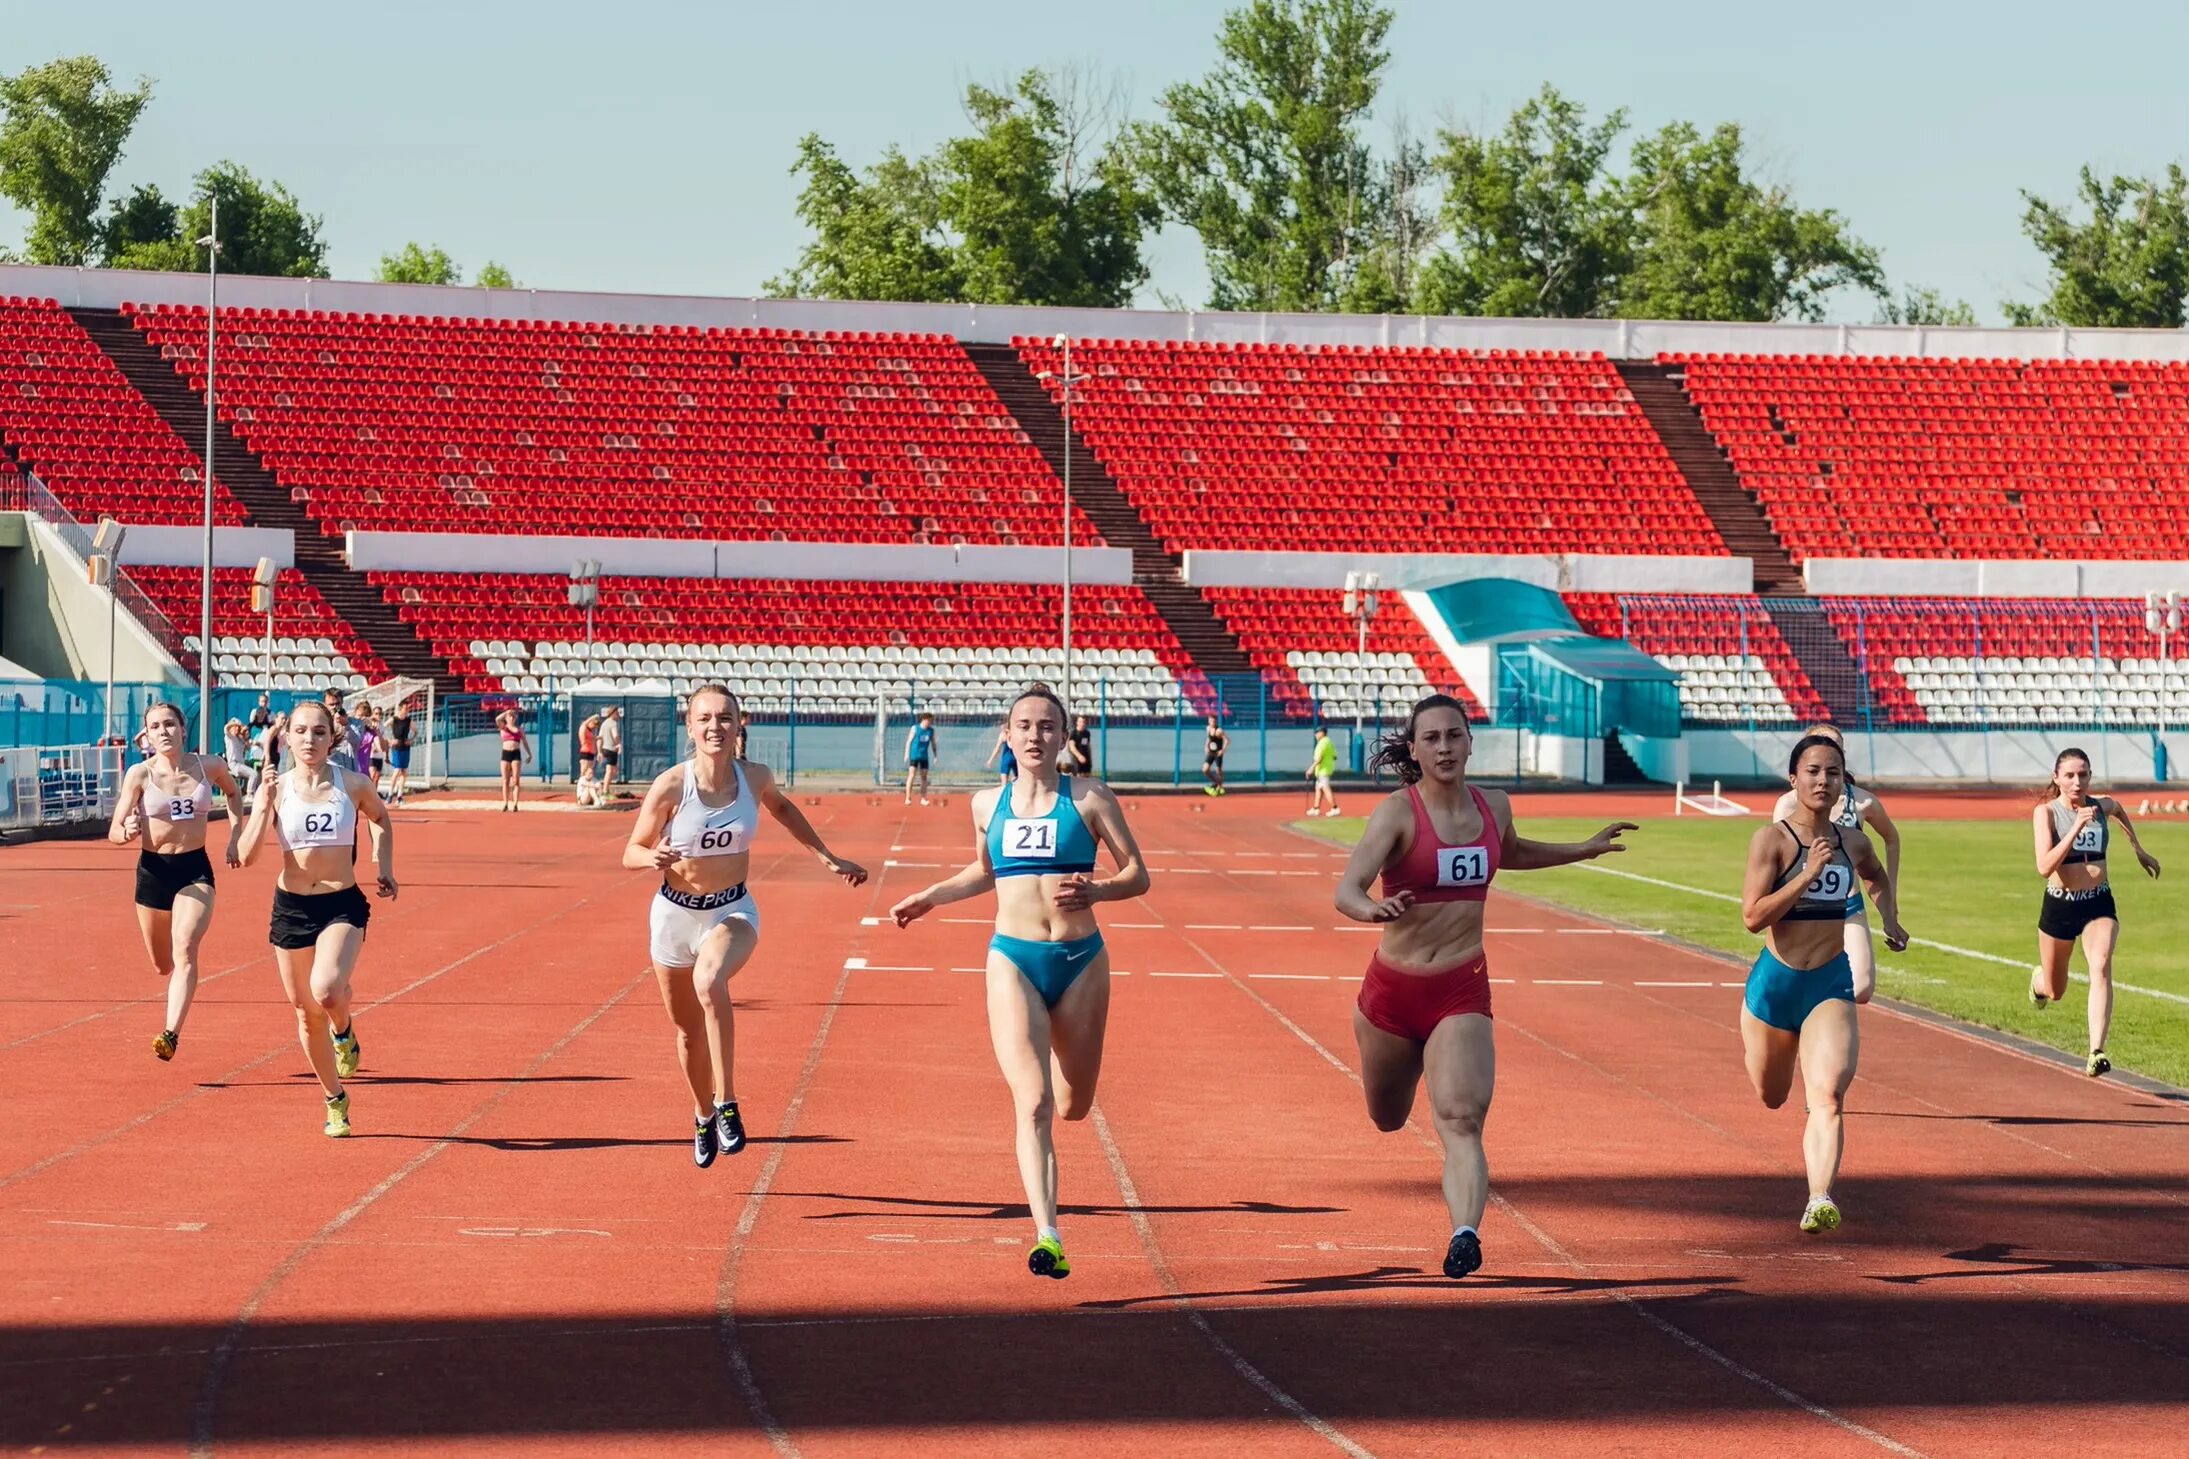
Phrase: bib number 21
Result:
[1030,840]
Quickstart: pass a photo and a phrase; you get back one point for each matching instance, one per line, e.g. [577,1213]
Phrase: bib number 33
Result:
[1463,866]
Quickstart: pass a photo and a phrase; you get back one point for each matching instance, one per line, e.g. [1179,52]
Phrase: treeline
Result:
[63,126]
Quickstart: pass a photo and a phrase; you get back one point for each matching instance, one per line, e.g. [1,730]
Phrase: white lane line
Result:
[1252,871]
[1514,931]
[1140,926]
[1567,982]
[2020,964]
[1270,927]
[1188,871]
[1357,929]
[1293,977]
[1733,985]
[1501,980]
[1672,983]
[915,865]
[1212,927]
[1181,975]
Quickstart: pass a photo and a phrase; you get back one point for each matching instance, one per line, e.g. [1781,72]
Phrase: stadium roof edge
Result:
[983,323]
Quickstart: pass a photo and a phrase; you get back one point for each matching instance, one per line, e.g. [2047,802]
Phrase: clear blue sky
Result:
[644,147]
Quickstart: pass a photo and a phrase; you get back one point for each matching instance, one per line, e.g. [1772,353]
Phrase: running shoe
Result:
[1047,1259]
[164,1044]
[1210,790]
[338,1116]
[704,1147]
[1463,1256]
[347,1051]
[2098,1064]
[2038,998]
[1819,1216]
[729,1128]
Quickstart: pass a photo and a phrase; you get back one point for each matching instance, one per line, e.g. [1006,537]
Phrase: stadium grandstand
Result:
[856,512]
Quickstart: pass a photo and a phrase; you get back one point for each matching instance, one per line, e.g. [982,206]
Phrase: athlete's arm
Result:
[261,818]
[223,780]
[995,749]
[373,811]
[1760,906]
[2051,853]
[1108,825]
[1520,854]
[790,818]
[1889,833]
[1883,889]
[977,876]
[2119,812]
[1380,839]
[646,851]
[128,822]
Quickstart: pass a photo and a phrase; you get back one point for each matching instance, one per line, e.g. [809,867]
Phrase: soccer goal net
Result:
[961,750]
[414,699]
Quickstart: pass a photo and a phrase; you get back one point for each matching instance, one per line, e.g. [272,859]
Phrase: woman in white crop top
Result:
[163,810]
[696,826]
[320,913]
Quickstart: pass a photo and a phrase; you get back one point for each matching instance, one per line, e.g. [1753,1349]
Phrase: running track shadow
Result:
[1998,1259]
[1017,1210]
[590,1142]
[305,1076]
[1402,1279]
[2017,1120]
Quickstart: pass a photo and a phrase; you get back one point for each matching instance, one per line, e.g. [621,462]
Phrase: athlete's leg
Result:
[693,1050]
[1830,1046]
[2050,979]
[193,914]
[1861,956]
[1077,1026]
[1460,1061]
[911,777]
[296,964]
[723,953]
[1390,1072]
[1773,1055]
[157,927]
[2099,939]
[1018,1028]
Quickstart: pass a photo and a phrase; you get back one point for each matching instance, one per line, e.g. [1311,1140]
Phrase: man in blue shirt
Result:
[919,755]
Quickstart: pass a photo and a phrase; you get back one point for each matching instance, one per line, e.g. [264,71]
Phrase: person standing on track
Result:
[1322,764]
[1798,1012]
[1048,972]
[588,754]
[696,827]
[919,756]
[611,750]
[1212,757]
[1082,747]
[162,808]
[2072,841]
[1002,746]
[516,748]
[320,913]
[398,755]
[1857,808]
[1424,1007]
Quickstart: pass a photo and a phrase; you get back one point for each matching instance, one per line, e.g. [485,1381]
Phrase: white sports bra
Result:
[161,806]
[307,825]
[698,829]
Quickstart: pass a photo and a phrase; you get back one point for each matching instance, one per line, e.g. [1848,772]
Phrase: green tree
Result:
[1713,243]
[144,218]
[1920,305]
[1027,209]
[1540,226]
[2126,268]
[263,229]
[62,127]
[415,265]
[1264,157]
[494,276]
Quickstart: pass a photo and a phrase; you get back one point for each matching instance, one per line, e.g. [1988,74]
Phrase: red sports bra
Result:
[1436,872]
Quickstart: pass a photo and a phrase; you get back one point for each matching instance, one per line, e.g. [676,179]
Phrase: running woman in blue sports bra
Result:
[1799,1008]
[696,827]
[1048,973]
[2072,842]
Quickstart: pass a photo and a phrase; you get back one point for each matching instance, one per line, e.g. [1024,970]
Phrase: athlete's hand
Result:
[1391,908]
[666,856]
[235,855]
[132,826]
[2085,814]
[1820,856]
[386,886]
[1075,893]
[1896,939]
[1606,841]
[2147,861]
[912,909]
[850,871]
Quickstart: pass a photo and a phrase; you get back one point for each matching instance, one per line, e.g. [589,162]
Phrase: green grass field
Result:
[1970,884]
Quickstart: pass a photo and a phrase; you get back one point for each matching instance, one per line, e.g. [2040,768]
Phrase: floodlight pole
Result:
[211,242]
[2162,615]
[1360,602]
[1070,384]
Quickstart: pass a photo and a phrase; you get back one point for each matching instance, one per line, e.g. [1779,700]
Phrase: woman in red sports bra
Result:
[1425,1004]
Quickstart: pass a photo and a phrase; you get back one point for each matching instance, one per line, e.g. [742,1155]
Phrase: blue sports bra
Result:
[1057,844]
[1830,895]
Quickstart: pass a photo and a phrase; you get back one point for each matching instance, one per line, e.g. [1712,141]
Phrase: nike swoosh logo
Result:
[1073,957]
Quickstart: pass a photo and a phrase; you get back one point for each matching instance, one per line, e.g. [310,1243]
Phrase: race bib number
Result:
[1833,884]
[1463,866]
[2090,838]
[320,824]
[719,841]
[1029,840]
[182,810]
[1850,815]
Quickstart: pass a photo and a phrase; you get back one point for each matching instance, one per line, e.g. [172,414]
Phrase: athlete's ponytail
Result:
[1395,749]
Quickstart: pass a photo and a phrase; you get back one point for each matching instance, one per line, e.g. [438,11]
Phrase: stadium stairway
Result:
[1214,647]
[1732,509]
[318,556]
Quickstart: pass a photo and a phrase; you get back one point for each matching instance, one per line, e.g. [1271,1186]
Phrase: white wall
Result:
[185,546]
[668,558]
[1566,572]
[1863,577]
[2009,757]
[1617,338]
[78,613]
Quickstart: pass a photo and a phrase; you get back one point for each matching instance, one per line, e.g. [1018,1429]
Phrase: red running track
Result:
[515,1255]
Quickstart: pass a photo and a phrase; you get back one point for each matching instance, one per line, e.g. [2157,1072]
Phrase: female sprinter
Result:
[2072,840]
[162,808]
[1424,1005]
[516,749]
[1048,973]
[1857,808]
[696,827]
[1799,1009]
[319,911]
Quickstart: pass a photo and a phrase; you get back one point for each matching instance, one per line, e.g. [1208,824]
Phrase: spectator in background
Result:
[611,750]
[1322,763]
[236,750]
[376,750]
[1082,747]
[262,715]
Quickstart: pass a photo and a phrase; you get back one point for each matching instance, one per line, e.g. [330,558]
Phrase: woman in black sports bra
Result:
[2072,841]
